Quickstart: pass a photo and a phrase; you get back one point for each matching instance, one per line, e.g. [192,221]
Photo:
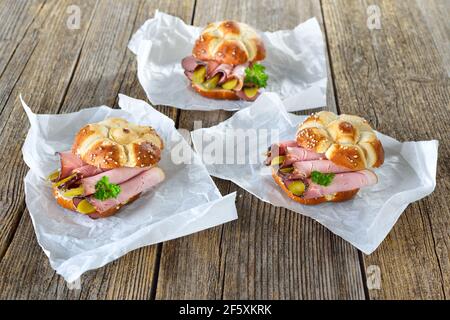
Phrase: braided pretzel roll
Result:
[229,42]
[115,143]
[346,140]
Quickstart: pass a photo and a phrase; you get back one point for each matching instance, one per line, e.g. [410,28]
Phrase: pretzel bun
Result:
[335,197]
[64,202]
[347,140]
[215,93]
[229,42]
[68,203]
[115,143]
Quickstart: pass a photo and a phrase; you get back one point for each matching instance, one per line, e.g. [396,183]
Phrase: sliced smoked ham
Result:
[223,69]
[190,63]
[130,189]
[69,162]
[239,74]
[341,182]
[87,171]
[226,71]
[295,154]
[303,169]
[116,176]
[279,149]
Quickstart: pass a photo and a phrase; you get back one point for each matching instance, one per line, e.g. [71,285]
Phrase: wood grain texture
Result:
[268,253]
[103,67]
[40,69]
[395,78]
[17,16]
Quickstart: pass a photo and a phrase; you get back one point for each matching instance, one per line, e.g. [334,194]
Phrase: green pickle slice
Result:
[199,75]
[212,83]
[297,188]
[85,207]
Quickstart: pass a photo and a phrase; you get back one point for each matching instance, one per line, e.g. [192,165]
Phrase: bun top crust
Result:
[347,140]
[229,42]
[115,143]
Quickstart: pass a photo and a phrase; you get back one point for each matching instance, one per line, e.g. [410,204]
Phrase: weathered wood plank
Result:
[40,69]
[267,253]
[104,67]
[395,78]
[16,16]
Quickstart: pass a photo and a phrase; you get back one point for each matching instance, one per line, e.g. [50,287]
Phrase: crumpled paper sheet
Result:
[187,201]
[408,174]
[295,63]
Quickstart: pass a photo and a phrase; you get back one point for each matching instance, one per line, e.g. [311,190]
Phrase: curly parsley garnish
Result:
[324,179]
[106,190]
[256,75]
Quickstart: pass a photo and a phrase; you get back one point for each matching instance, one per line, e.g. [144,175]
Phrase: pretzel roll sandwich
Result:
[111,163]
[224,62]
[330,160]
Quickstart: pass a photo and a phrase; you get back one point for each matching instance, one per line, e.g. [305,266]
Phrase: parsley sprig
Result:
[323,179]
[256,75]
[106,190]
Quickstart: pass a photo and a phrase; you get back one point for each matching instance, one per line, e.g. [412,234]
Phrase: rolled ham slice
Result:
[279,149]
[190,63]
[69,162]
[87,171]
[223,69]
[295,154]
[129,189]
[303,169]
[239,74]
[341,182]
[116,176]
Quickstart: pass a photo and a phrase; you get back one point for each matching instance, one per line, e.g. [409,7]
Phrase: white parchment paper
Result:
[295,64]
[186,202]
[408,174]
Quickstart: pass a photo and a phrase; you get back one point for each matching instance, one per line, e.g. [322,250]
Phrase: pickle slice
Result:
[297,188]
[230,84]
[287,170]
[53,176]
[199,75]
[75,192]
[212,83]
[85,207]
[60,182]
[277,161]
[251,92]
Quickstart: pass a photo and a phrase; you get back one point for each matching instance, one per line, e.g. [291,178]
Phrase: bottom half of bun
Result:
[336,197]
[68,203]
[221,94]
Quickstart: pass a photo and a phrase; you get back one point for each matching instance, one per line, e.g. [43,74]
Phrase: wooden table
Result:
[397,77]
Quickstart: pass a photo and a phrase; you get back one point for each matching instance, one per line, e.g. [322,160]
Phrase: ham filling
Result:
[69,162]
[116,176]
[132,181]
[298,165]
[129,189]
[226,71]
